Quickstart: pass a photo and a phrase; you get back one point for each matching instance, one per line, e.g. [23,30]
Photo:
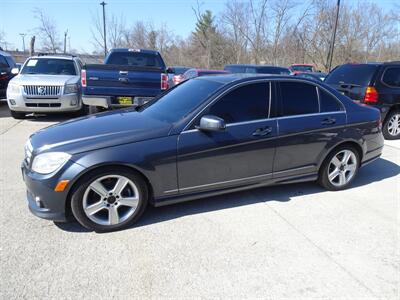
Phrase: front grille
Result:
[43,104]
[28,152]
[42,90]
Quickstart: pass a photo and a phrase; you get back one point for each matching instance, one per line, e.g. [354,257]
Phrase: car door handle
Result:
[124,80]
[263,131]
[328,121]
[123,72]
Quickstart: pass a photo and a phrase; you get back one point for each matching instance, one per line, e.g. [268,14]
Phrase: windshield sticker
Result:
[32,62]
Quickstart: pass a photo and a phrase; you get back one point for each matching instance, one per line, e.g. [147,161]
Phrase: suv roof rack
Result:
[58,54]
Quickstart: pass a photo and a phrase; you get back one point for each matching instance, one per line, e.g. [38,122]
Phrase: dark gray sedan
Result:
[207,136]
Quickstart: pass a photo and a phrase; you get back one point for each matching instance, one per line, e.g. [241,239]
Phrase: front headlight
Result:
[49,162]
[13,88]
[71,89]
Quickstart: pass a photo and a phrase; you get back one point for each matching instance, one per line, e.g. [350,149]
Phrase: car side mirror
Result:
[169,71]
[14,71]
[211,123]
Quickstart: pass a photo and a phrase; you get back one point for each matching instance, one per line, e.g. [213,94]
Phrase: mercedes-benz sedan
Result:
[207,136]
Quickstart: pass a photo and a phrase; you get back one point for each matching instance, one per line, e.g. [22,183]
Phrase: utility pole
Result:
[332,44]
[104,28]
[23,40]
[65,41]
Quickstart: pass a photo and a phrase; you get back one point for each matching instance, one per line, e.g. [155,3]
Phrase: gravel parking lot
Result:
[296,241]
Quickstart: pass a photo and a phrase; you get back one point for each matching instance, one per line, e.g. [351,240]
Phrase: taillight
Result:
[164,81]
[177,79]
[83,78]
[371,95]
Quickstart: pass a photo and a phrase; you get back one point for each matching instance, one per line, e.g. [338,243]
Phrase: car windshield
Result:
[181,100]
[49,66]
[302,68]
[352,74]
[138,59]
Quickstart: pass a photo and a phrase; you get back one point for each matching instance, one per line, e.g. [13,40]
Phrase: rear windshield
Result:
[138,59]
[49,66]
[273,70]
[352,74]
[180,101]
[302,68]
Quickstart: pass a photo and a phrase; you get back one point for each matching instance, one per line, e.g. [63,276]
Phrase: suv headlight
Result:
[71,88]
[13,88]
[49,162]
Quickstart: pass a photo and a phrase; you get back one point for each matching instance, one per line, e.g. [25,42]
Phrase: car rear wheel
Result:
[17,115]
[339,168]
[391,128]
[109,200]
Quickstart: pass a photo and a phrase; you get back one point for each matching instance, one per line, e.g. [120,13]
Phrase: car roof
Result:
[55,56]
[306,65]
[254,66]
[148,51]
[243,77]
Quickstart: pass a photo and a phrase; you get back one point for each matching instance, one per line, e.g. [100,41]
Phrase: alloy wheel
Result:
[342,168]
[110,200]
[394,125]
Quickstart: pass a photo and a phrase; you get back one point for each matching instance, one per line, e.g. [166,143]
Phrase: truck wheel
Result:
[391,127]
[17,115]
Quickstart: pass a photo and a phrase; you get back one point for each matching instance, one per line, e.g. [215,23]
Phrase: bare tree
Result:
[47,31]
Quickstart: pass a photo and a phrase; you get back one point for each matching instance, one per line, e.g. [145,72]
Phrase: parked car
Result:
[7,64]
[46,84]
[127,77]
[207,136]
[319,76]
[375,84]
[175,75]
[302,68]
[259,69]
[192,73]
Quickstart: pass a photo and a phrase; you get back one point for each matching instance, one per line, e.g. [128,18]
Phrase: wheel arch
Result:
[92,169]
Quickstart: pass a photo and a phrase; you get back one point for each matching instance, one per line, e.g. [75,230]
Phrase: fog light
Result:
[12,102]
[38,202]
[74,102]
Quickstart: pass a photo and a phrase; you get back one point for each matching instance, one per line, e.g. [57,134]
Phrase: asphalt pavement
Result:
[286,242]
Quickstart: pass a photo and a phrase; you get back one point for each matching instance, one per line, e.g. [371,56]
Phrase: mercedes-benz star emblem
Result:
[41,90]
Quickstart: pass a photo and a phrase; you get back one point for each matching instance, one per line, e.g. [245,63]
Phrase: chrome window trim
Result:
[267,80]
[272,119]
[319,99]
[270,99]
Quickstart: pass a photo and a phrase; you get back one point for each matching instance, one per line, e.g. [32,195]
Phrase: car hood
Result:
[27,79]
[98,131]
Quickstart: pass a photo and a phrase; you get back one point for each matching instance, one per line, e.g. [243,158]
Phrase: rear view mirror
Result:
[14,71]
[211,123]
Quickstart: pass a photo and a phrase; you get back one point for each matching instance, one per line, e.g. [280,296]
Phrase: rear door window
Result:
[357,75]
[298,98]
[391,76]
[328,103]
[246,103]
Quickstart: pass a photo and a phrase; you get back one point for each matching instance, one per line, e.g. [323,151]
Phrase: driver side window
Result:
[246,103]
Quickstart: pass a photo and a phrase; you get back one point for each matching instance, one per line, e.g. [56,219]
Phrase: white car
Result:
[46,84]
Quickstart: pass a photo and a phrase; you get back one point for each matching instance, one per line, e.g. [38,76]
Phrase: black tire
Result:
[17,115]
[385,130]
[83,184]
[93,110]
[323,178]
[83,111]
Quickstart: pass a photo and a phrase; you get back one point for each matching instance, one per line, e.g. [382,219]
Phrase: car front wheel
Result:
[109,200]
[339,168]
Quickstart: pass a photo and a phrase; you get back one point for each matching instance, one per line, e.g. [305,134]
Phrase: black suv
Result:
[7,63]
[376,84]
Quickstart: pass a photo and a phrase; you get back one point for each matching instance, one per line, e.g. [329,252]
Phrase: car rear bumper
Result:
[111,101]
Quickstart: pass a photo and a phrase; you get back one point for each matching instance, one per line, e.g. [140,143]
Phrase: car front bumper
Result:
[43,201]
[62,103]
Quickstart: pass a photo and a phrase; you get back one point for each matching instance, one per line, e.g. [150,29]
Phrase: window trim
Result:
[190,123]
[383,74]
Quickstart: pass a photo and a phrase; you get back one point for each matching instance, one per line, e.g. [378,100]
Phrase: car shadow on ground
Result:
[57,117]
[374,172]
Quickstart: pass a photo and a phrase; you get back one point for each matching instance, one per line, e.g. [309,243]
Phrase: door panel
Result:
[241,154]
[302,139]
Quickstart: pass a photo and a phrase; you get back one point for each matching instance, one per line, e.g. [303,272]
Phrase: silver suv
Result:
[46,84]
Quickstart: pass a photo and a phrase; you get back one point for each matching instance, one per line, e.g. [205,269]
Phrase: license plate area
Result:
[125,100]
